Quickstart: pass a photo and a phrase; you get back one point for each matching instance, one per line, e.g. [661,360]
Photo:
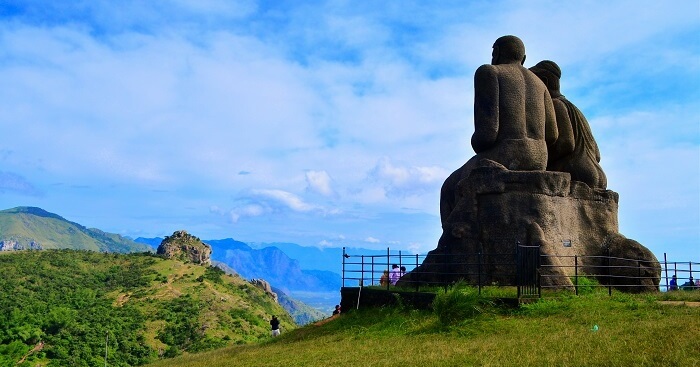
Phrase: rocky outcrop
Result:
[499,208]
[264,285]
[185,247]
[15,245]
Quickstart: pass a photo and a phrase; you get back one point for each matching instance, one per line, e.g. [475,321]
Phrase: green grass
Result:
[632,330]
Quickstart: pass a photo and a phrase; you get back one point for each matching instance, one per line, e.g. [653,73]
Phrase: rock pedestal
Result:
[497,209]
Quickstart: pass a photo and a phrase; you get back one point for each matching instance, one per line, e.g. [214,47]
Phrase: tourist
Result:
[402,271]
[384,280]
[673,286]
[395,274]
[337,310]
[689,285]
[275,324]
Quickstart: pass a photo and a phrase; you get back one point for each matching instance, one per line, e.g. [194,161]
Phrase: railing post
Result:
[609,274]
[478,271]
[666,270]
[417,283]
[388,268]
[362,271]
[639,273]
[444,267]
[576,274]
[539,279]
[372,270]
[343,267]
[518,267]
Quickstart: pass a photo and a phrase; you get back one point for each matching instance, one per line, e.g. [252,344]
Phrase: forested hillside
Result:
[65,305]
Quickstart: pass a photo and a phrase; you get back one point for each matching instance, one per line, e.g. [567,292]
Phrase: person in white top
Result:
[395,274]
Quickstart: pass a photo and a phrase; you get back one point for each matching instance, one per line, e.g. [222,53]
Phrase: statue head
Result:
[549,72]
[508,50]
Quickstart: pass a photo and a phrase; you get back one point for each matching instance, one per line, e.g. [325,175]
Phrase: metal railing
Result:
[367,270]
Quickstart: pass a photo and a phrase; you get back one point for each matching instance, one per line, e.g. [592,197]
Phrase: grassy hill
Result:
[25,226]
[592,330]
[67,303]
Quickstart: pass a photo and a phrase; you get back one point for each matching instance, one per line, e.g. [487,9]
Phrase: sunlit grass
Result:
[631,330]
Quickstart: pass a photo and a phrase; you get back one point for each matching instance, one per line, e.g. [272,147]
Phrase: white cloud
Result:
[371,240]
[287,199]
[319,181]
[407,180]
[325,243]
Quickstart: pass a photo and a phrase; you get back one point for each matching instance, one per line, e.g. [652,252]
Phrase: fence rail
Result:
[368,270]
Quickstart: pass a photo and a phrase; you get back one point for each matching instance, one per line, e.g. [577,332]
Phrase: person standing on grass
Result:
[395,274]
[275,324]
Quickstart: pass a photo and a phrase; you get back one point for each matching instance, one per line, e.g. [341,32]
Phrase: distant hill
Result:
[68,304]
[315,258]
[24,228]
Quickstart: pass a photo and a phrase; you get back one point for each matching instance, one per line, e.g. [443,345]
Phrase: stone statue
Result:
[531,183]
[514,118]
[575,151]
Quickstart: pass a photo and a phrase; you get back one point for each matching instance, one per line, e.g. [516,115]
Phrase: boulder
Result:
[185,247]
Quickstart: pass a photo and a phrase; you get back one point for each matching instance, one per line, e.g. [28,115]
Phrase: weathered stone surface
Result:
[514,119]
[499,208]
[575,151]
[183,246]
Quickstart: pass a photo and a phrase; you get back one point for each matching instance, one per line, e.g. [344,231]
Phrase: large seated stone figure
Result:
[504,196]
[575,150]
[514,118]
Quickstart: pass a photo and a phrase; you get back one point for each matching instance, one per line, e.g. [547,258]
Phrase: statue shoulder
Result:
[485,74]
[486,69]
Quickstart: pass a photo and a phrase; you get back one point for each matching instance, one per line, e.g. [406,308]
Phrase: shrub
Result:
[586,285]
[459,303]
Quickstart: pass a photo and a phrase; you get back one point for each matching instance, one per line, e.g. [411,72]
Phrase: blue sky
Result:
[327,123]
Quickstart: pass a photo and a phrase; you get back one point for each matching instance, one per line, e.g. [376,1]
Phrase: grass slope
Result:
[51,231]
[150,307]
[632,330]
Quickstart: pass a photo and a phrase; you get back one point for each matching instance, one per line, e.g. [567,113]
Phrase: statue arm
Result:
[565,142]
[551,133]
[485,108]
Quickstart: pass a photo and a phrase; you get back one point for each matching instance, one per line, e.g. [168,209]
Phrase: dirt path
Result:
[681,303]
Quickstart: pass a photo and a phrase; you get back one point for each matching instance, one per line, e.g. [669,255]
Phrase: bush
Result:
[459,303]
[586,285]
